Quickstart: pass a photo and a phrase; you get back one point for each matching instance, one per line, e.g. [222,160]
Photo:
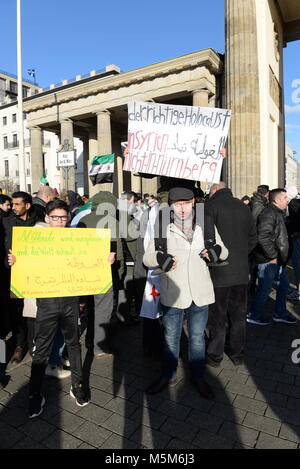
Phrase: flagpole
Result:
[22,174]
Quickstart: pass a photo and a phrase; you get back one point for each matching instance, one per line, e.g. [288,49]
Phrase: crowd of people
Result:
[211,252]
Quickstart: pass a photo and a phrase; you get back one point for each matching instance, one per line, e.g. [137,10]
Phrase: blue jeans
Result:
[173,321]
[267,275]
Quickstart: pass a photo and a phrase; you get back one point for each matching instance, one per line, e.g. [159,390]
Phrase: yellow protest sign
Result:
[56,262]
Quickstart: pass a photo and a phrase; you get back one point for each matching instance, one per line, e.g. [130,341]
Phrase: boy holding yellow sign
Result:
[53,313]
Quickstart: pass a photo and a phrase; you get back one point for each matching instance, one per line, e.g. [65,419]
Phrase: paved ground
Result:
[256,405]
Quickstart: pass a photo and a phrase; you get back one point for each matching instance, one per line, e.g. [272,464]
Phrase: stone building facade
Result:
[256,32]
[10,153]
[291,167]
[94,109]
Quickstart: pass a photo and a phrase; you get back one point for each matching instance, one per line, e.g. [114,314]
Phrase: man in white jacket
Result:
[186,288]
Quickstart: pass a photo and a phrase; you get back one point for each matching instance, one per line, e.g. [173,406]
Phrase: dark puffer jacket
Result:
[272,236]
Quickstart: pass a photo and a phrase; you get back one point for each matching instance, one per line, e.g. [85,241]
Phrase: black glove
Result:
[165,261]
[214,250]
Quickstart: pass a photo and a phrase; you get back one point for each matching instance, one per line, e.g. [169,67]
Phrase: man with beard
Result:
[5,207]
[23,214]
[271,256]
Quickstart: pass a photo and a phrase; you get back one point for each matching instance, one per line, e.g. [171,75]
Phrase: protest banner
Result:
[176,141]
[57,262]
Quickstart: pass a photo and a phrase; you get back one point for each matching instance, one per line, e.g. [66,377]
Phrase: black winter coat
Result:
[293,221]
[273,240]
[13,220]
[236,227]
[40,208]
[258,204]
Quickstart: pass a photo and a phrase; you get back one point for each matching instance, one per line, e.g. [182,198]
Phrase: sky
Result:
[65,38]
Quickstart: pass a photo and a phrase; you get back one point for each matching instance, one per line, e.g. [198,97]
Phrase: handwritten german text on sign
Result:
[56,262]
[176,141]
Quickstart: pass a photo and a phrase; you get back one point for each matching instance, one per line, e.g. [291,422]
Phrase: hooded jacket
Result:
[103,215]
[73,204]
[40,208]
[258,203]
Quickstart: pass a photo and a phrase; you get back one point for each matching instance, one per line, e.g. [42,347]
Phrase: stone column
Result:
[104,142]
[85,167]
[200,97]
[119,163]
[66,133]
[150,186]
[136,183]
[37,164]
[242,96]
[93,151]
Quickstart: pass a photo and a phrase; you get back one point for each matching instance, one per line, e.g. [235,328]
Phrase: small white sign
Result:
[66,158]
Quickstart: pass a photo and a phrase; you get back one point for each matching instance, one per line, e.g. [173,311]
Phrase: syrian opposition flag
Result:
[151,307]
[102,169]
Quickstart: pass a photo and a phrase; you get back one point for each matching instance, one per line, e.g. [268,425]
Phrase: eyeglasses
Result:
[57,217]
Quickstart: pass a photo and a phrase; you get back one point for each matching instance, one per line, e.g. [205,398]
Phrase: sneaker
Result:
[36,405]
[258,322]
[80,395]
[286,319]
[294,295]
[57,372]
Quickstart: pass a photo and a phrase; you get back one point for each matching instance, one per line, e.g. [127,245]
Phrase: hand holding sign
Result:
[112,257]
[223,152]
[11,258]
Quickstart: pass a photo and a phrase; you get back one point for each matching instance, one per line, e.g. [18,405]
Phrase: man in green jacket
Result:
[103,215]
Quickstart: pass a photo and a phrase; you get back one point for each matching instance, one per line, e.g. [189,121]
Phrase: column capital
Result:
[200,89]
[34,127]
[203,91]
[103,112]
[201,97]
[66,119]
